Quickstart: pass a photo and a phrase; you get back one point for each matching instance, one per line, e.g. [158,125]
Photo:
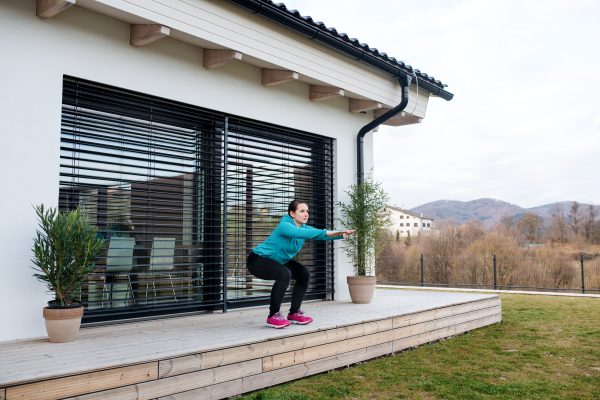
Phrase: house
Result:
[405,222]
[183,129]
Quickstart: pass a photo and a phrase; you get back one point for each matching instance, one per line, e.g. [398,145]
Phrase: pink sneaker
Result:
[299,318]
[277,321]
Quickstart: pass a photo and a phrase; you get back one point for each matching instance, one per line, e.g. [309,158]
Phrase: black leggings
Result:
[265,268]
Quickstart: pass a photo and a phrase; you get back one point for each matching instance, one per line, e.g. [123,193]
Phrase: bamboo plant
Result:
[366,212]
[65,249]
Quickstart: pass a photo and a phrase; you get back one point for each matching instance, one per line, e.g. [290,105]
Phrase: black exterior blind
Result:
[182,194]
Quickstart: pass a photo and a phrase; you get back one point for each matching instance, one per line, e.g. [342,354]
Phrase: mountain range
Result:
[487,210]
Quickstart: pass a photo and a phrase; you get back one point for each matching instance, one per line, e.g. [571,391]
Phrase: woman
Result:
[272,260]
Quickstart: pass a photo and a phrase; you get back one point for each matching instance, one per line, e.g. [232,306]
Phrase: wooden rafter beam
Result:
[141,35]
[49,8]
[218,58]
[272,77]
[318,93]
[400,119]
[408,120]
[359,105]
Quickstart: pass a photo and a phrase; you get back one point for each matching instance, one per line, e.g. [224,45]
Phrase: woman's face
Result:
[300,216]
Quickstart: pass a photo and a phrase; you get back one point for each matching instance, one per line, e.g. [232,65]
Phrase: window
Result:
[416,224]
[402,217]
[423,224]
[401,224]
[428,224]
[149,174]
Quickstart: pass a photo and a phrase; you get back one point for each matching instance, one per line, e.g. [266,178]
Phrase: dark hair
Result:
[294,205]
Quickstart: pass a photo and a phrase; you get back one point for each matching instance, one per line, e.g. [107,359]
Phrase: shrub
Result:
[64,251]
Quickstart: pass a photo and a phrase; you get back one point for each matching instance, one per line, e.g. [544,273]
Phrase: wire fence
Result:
[567,275]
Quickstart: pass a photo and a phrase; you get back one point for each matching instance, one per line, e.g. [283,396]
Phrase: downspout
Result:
[360,138]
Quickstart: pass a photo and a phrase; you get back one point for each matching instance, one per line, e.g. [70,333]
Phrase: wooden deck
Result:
[220,355]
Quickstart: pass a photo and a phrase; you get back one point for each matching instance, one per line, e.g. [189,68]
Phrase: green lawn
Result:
[547,347]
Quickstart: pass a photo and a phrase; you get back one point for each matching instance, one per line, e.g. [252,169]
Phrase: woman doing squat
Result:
[272,260]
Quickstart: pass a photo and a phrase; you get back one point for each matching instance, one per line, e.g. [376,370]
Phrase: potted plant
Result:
[65,249]
[366,213]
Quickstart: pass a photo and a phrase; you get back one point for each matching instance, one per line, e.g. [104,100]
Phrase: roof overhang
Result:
[227,33]
[329,37]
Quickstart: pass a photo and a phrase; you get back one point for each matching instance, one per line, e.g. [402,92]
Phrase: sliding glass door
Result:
[150,173]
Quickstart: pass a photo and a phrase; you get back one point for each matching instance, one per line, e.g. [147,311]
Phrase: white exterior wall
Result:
[36,53]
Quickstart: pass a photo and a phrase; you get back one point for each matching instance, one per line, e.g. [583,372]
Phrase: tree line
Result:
[464,254]
[576,224]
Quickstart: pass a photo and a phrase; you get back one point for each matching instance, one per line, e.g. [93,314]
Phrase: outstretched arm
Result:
[290,229]
[344,234]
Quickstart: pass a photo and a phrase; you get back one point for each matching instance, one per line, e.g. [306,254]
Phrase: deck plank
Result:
[80,384]
[283,375]
[217,358]
[181,383]
[417,340]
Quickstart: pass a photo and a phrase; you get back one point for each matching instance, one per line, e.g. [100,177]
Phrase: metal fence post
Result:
[495,276]
[582,280]
[421,269]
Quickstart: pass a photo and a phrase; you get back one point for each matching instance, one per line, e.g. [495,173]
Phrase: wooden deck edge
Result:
[198,361]
[19,382]
[2,393]
[434,336]
[276,377]
[284,336]
[85,383]
[433,314]
[445,306]
[194,385]
[267,379]
[310,354]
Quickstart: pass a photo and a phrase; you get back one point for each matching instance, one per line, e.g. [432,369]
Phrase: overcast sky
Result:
[525,121]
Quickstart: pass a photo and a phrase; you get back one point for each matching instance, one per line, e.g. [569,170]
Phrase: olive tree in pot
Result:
[365,213]
[65,249]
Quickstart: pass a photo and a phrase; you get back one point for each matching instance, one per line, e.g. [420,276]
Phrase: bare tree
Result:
[507,227]
[557,227]
[530,225]
[588,218]
[507,221]
[507,251]
[441,251]
[574,220]
[596,232]
[472,230]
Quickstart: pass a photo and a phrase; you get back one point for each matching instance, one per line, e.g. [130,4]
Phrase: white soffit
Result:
[264,44]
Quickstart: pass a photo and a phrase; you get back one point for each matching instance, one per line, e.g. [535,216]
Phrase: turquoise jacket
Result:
[287,240]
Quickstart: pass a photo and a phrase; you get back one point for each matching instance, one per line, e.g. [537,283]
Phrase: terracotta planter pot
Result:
[361,288]
[62,324]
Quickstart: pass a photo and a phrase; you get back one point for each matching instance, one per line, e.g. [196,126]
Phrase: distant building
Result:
[405,221]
